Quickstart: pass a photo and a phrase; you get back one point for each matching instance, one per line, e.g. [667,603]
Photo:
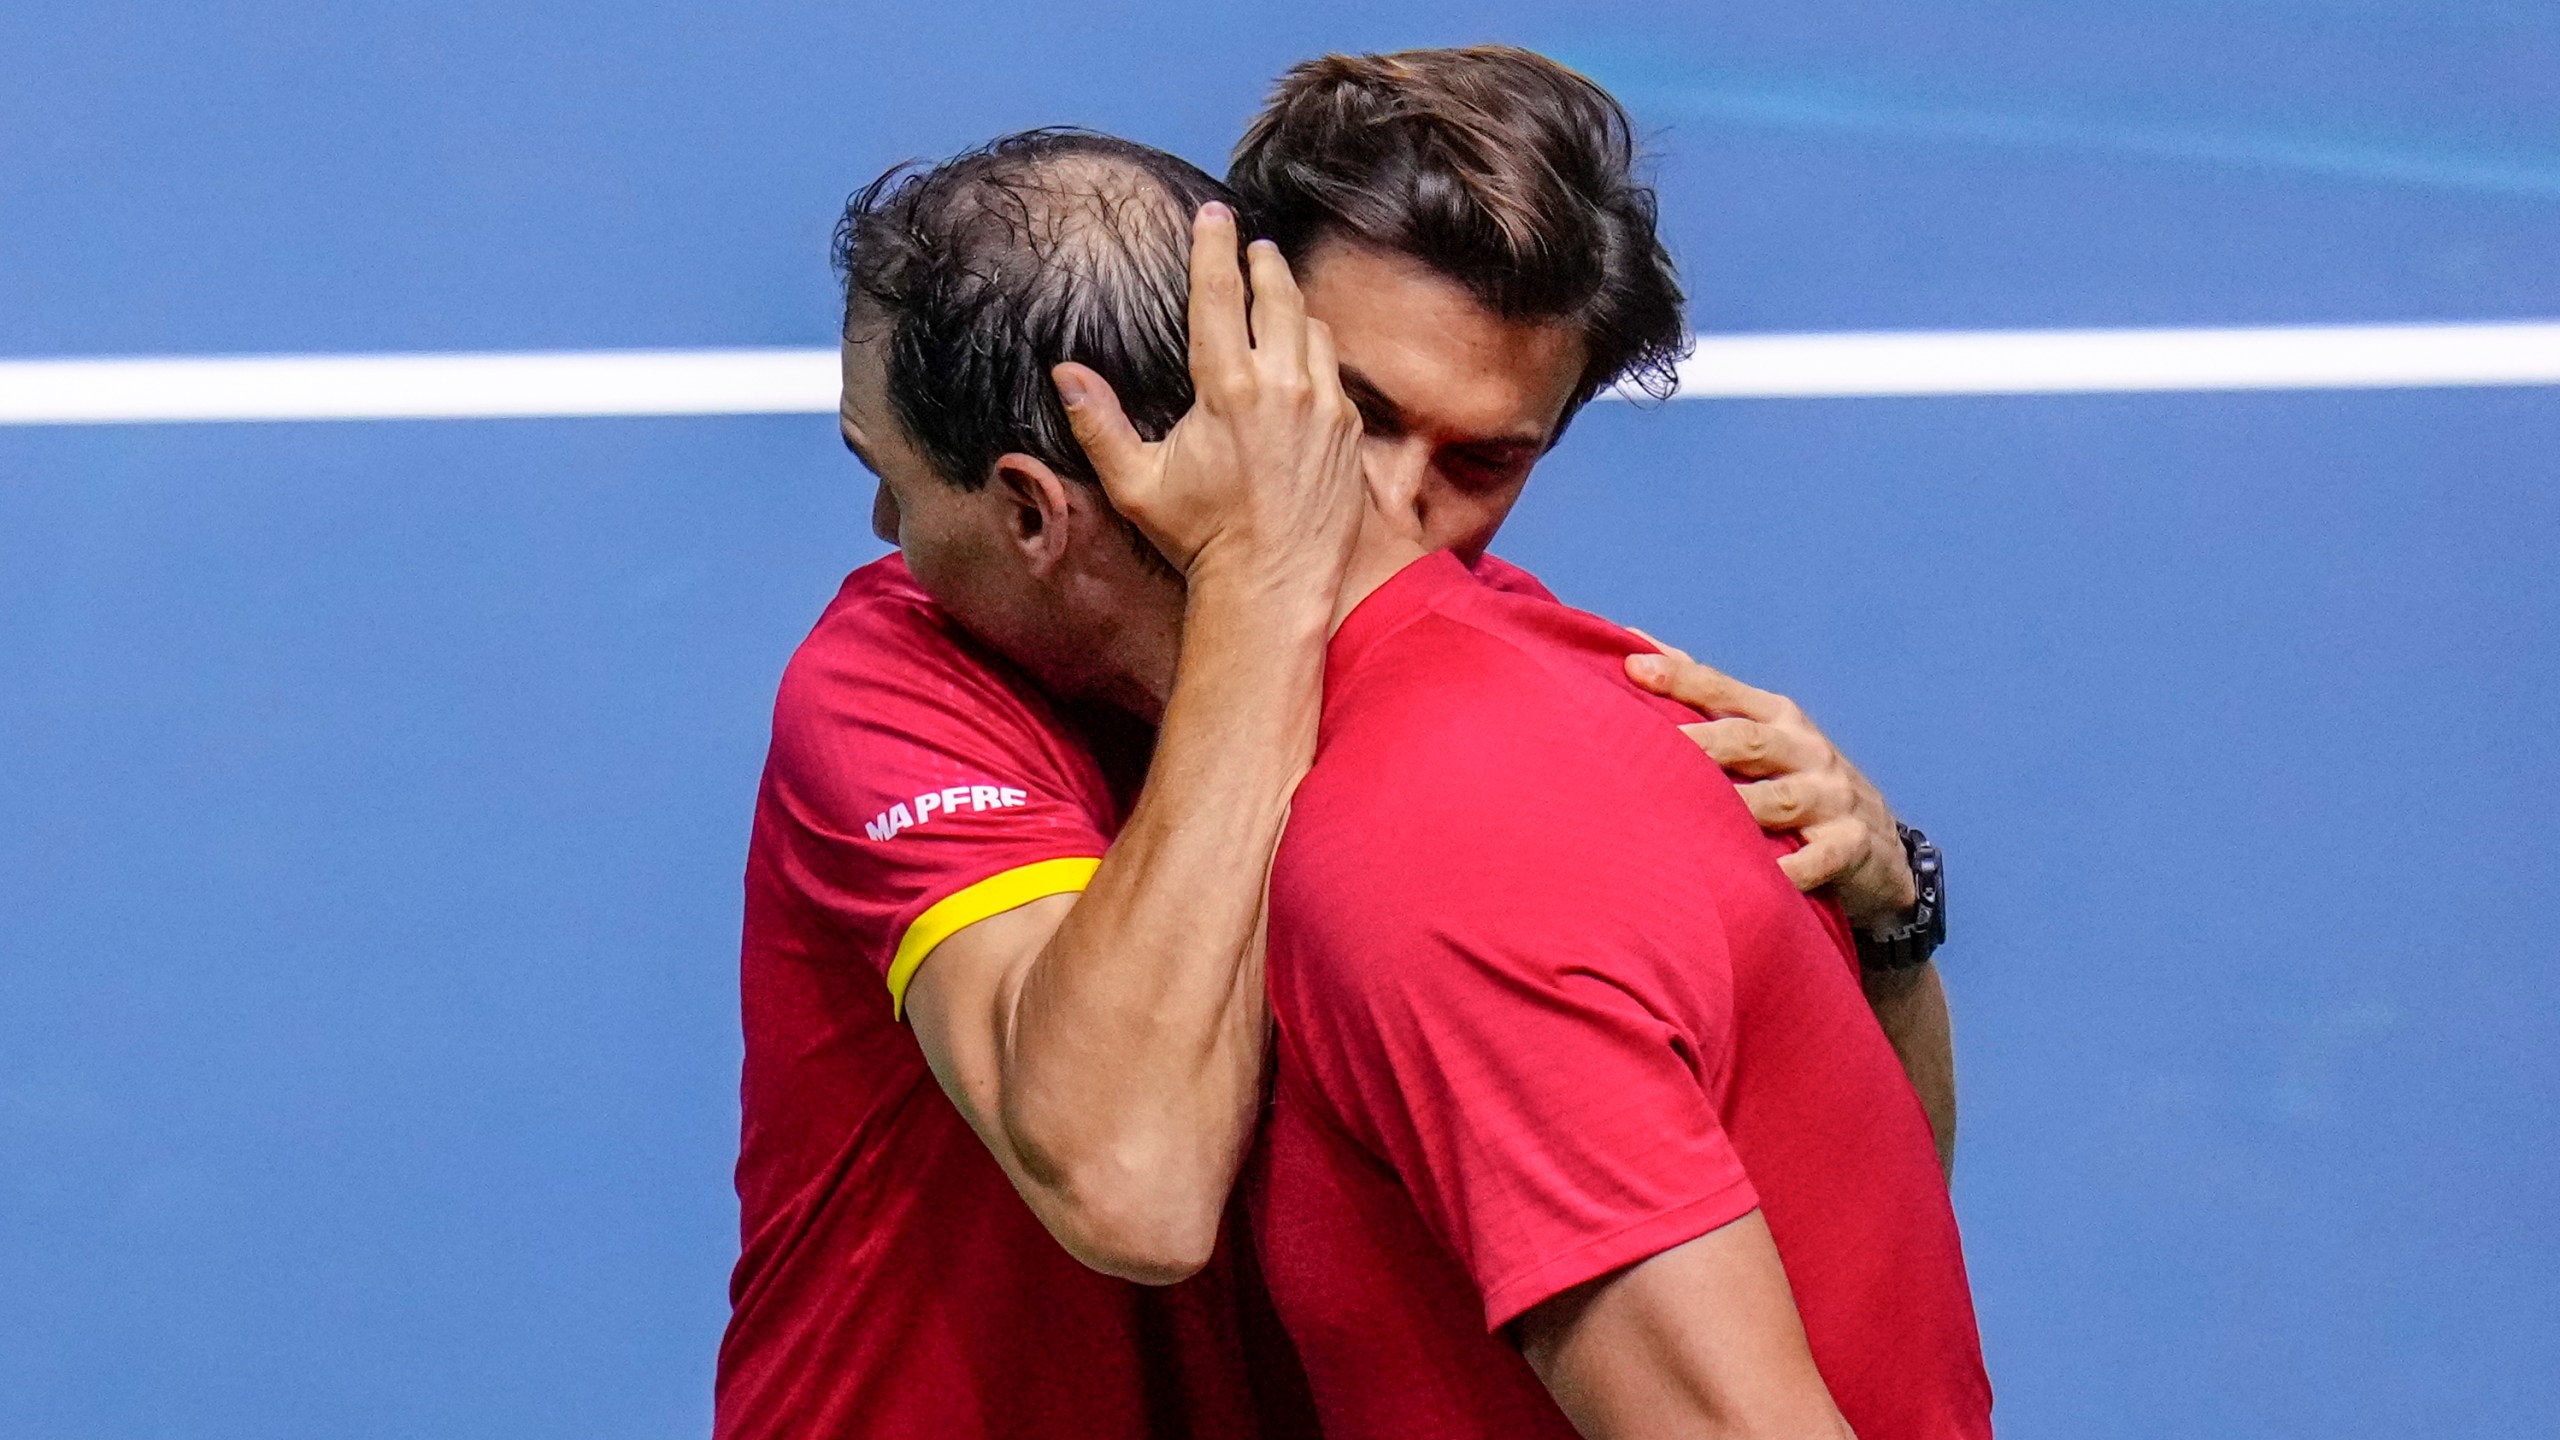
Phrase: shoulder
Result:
[887,696]
[914,775]
[1486,679]
[881,637]
[884,657]
[1476,761]
[1494,827]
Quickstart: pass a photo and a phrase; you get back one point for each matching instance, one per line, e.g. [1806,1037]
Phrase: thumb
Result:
[1647,637]
[1119,456]
[1659,670]
[1700,686]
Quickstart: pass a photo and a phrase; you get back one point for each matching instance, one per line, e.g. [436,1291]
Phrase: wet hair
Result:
[988,269]
[1492,166]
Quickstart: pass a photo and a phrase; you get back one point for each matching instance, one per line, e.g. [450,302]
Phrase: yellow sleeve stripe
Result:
[961,909]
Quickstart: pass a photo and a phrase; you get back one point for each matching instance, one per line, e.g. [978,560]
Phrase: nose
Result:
[884,513]
[1396,468]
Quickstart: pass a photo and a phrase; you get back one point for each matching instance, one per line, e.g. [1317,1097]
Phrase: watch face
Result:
[1934,892]
[1915,942]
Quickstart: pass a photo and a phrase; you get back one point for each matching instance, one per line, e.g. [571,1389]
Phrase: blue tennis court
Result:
[374,794]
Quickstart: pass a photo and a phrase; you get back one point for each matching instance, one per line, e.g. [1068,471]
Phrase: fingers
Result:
[1118,452]
[1794,801]
[1324,366]
[1754,749]
[1706,689]
[1279,312]
[1830,848]
[1219,345]
[1647,637]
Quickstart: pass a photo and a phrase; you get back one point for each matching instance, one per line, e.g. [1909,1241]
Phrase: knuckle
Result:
[1230,378]
[1786,799]
[1752,742]
[1730,742]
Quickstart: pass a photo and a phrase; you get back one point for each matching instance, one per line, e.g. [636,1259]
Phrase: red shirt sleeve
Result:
[916,785]
[1486,961]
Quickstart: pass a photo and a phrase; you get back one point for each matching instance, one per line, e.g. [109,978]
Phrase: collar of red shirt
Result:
[1406,593]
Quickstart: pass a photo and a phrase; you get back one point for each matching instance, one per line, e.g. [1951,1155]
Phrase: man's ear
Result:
[1039,510]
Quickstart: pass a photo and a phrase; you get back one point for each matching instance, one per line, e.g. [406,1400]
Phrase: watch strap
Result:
[1917,938]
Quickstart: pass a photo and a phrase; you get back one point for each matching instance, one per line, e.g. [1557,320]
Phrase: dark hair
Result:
[997,264]
[1496,167]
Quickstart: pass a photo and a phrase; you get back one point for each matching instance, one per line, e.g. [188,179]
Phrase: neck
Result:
[1136,673]
[1375,558]
[1138,677]
[1117,649]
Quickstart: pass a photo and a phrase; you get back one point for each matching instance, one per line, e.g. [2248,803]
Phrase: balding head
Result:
[980,274]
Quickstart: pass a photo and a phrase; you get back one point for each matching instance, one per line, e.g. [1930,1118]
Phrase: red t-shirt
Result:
[891,1283]
[1547,1007]
[1500,574]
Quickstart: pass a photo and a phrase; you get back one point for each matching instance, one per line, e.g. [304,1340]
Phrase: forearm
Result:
[1133,1048]
[1911,1005]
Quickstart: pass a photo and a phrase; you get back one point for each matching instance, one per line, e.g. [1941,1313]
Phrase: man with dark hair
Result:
[1495,167]
[1442,209]
[1579,1118]
[1092,1004]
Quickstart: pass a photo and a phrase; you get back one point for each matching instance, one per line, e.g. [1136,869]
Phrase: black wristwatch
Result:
[1919,937]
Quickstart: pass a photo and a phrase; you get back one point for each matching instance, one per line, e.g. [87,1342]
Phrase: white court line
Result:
[795,381]
[416,387]
[2039,362]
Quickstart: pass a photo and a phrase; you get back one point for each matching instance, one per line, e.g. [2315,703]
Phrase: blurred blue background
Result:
[373,797]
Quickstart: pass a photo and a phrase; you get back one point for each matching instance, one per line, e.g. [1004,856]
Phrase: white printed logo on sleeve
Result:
[907,814]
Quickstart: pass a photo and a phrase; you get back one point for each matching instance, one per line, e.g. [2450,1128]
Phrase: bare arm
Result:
[1701,1342]
[1911,1005]
[1798,780]
[1108,1047]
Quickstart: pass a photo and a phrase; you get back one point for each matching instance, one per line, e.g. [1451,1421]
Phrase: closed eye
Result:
[856,452]
[1488,467]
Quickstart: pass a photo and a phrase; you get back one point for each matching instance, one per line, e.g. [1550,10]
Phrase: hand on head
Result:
[1262,476]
